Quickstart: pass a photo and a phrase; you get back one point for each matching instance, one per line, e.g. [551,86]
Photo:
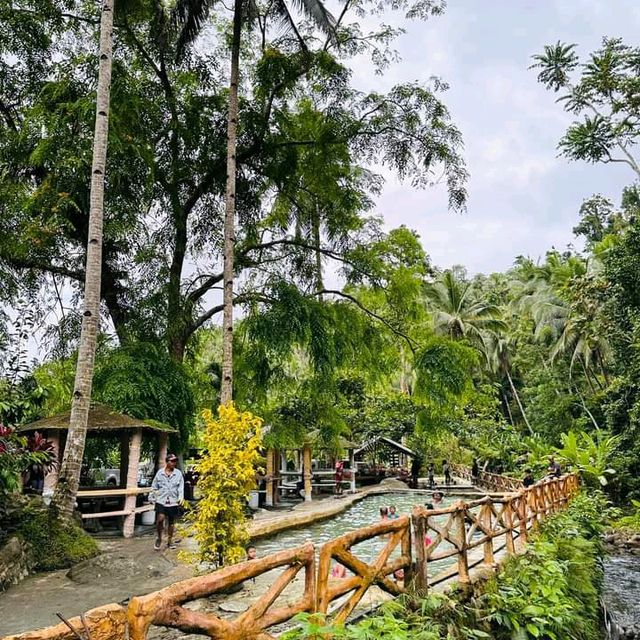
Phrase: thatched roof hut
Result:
[101,418]
[105,421]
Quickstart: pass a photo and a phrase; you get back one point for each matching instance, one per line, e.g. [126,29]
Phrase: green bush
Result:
[631,521]
[55,545]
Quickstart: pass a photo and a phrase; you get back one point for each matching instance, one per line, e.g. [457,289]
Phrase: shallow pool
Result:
[361,514]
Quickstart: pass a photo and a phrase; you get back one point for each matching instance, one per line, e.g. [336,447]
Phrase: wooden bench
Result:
[92,494]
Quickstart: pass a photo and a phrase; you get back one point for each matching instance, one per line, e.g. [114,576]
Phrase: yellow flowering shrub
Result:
[227,474]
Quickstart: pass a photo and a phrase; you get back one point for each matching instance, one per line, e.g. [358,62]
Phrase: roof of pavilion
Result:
[101,418]
[382,442]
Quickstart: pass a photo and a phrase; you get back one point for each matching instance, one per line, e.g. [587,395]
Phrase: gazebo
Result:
[105,420]
[382,448]
[276,470]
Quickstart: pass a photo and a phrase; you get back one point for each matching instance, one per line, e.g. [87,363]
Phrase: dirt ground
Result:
[124,569]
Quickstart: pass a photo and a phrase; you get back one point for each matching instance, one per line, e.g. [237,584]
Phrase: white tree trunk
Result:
[517,397]
[226,390]
[69,474]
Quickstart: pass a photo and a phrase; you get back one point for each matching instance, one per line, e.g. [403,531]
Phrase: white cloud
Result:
[523,198]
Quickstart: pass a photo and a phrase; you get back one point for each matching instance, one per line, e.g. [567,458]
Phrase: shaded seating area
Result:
[297,474]
[382,457]
[123,490]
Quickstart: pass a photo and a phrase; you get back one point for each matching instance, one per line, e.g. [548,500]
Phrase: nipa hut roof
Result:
[101,418]
[386,443]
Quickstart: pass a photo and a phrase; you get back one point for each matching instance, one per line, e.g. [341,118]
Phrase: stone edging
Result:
[307,513]
[310,512]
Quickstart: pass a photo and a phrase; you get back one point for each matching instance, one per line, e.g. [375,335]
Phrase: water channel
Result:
[361,514]
[621,594]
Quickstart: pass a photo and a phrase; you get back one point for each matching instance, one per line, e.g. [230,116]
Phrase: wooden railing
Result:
[474,532]
[165,608]
[492,481]
[464,534]
[365,575]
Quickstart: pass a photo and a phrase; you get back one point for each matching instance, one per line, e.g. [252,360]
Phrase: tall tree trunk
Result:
[587,376]
[517,397]
[603,368]
[69,475]
[505,400]
[316,244]
[226,390]
[584,406]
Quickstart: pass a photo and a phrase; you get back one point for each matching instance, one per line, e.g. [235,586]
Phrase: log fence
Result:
[165,607]
[466,534]
[365,575]
[492,481]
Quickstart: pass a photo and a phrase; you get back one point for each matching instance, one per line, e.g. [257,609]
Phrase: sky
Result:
[523,199]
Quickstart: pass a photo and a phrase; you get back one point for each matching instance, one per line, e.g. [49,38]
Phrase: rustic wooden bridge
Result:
[470,534]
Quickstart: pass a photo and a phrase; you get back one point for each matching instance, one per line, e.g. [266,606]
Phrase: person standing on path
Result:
[446,470]
[475,472]
[416,465]
[169,487]
[431,472]
[528,479]
[554,470]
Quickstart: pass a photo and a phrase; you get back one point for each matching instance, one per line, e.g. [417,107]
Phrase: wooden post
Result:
[507,517]
[51,479]
[486,515]
[124,458]
[306,471]
[461,526]
[523,513]
[420,577]
[163,444]
[405,549]
[132,483]
[270,479]
[352,466]
[277,476]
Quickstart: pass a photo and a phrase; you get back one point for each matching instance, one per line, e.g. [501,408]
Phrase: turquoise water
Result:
[361,514]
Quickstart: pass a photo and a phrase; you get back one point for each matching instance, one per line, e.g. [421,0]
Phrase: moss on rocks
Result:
[54,545]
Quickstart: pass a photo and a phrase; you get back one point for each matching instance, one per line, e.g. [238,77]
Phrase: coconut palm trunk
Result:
[226,391]
[317,247]
[517,397]
[69,474]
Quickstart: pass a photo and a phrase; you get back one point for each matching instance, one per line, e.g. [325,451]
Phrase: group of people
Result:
[416,467]
[389,513]
[554,470]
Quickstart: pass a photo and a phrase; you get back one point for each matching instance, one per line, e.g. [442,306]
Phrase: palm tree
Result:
[459,313]
[69,476]
[570,327]
[192,13]
[499,361]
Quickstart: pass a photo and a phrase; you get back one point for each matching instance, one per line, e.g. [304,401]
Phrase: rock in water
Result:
[393,483]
